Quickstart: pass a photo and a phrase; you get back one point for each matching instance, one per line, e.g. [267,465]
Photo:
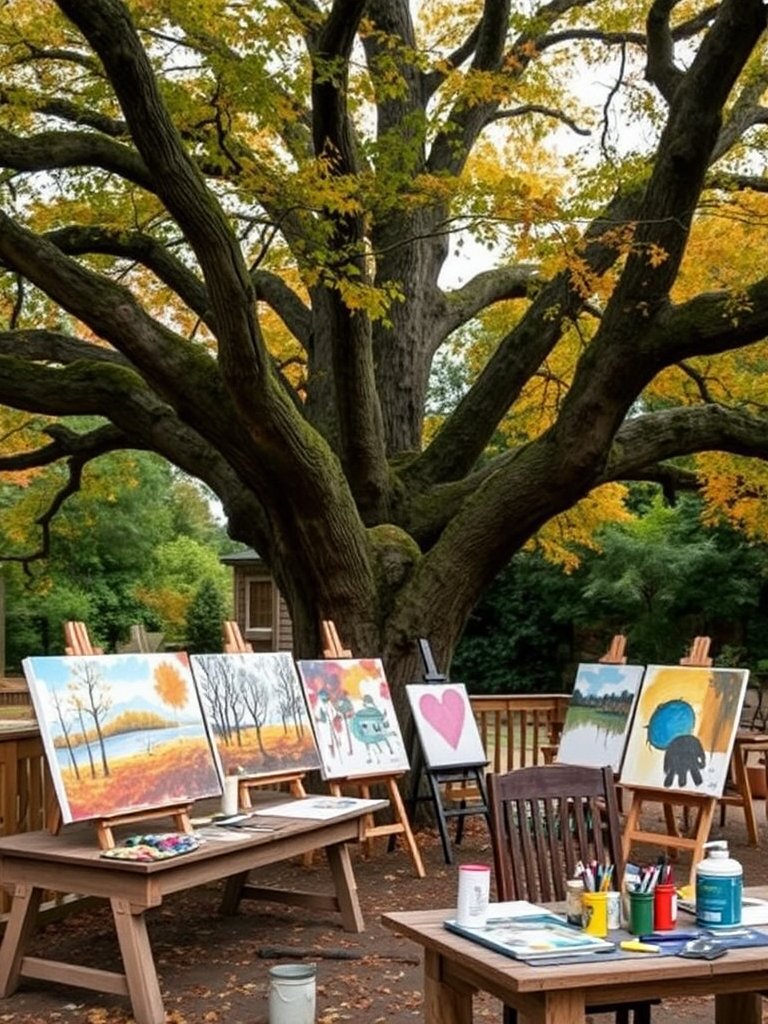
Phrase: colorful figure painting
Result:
[445,725]
[683,728]
[256,712]
[598,716]
[122,733]
[353,717]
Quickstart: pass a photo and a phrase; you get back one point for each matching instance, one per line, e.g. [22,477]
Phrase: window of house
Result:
[260,615]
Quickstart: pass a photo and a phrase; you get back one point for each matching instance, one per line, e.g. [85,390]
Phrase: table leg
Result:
[346,888]
[139,964]
[741,780]
[18,931]
[744,1007]
[443,1004]
[233,892]
[565,1007]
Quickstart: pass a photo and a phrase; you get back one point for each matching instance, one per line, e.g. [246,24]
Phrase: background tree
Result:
[232,248]
[130,547]
[205,619]
[665,578]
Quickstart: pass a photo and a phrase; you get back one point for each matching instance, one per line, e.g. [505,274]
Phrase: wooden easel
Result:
[294,780]
[233,639]
[332,648]
[615,655]
[617,651]
[457,792]
[78,644]
[77,641]
[703,805]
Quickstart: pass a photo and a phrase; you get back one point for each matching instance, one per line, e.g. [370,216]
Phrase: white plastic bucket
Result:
[292,994]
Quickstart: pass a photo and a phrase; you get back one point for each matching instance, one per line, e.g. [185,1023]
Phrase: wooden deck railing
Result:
[519,729]
[22,783]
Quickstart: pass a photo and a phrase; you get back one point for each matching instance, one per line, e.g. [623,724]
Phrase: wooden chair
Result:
[544,819]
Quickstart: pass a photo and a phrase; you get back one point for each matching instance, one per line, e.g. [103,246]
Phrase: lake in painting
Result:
[600,710]
[122,733]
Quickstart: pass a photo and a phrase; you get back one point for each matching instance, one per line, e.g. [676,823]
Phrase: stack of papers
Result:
[753,910]
[320,808]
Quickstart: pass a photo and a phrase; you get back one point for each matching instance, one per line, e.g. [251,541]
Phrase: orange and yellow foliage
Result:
[170,685]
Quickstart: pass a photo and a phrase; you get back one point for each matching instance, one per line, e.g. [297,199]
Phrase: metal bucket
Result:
[292,994]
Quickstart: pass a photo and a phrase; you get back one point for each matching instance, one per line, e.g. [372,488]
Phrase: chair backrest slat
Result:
[546,818]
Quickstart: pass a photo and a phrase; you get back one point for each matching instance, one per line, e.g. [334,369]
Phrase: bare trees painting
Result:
[256,712]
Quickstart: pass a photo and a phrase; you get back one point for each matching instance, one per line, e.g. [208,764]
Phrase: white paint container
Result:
[474,891]
[292,994]
[230,799]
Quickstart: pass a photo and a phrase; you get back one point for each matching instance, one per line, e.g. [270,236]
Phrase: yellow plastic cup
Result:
[594,913]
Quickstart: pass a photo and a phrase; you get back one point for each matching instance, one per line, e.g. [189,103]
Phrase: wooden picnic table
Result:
[36,862]
[455,968]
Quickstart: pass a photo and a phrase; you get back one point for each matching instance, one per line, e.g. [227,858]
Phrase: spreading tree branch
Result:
[652,438]
[489,286]
[660,64]
[55,150]
[67,443]
[111,33]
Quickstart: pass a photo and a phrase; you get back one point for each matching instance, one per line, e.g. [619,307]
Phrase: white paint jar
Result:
[292,994]
[230,798]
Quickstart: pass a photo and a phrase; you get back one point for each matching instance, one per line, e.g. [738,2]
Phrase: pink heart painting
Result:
[445,715]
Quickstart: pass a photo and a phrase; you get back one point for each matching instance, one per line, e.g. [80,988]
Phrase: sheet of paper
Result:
[319,808]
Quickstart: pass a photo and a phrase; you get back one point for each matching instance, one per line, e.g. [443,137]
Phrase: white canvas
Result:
[353,717]
[598,716]
[122,733]
[445,724]
[683,729]
[256,713]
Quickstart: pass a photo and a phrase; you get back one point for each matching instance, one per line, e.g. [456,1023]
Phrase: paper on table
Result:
[318,807]
[753,910]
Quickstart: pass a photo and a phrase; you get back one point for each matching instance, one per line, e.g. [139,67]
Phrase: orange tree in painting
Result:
[171,686]
[240,247]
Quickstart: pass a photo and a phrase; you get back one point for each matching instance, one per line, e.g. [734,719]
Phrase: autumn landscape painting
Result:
[256,712]
[122,733]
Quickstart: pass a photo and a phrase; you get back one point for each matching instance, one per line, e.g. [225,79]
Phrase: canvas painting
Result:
[256,712]
[598,716]
[445,725]
[122,733]
[683,729]
[353,717]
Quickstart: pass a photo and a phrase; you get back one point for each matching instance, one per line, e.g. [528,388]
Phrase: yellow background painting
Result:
[715,696]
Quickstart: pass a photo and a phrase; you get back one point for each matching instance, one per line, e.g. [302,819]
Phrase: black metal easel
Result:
[470,778]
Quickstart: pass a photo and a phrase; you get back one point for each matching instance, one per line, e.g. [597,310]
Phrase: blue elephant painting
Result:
[683,728]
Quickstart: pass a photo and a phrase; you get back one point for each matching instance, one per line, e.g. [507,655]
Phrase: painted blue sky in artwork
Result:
[607,680]
[129,679]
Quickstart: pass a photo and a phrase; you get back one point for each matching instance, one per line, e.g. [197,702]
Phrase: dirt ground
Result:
[215,969]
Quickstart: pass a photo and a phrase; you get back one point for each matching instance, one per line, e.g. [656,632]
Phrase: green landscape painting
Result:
[599,713]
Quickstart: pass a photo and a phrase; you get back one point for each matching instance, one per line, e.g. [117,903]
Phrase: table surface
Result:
[453,962]
[35,862]
[77,844]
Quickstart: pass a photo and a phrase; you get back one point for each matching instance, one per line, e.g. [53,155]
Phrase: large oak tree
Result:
[224,231]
